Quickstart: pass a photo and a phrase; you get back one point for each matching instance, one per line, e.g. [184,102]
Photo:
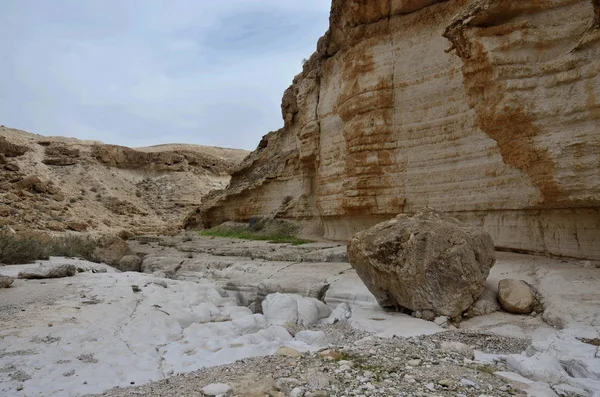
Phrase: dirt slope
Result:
[57,183]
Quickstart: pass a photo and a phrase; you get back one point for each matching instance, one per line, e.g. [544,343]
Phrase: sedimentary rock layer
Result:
[488,110]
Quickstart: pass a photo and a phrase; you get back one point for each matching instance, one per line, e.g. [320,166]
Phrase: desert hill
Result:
[58,184]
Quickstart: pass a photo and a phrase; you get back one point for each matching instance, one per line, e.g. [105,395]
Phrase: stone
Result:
[469,383]
[458,347]
[312,338]
[516,296]
[317,379]
[540,367]
[367,134]
[131,263]
[563,389]
[445,382]
[55,226]
[487,303]
[427,262]
[77,226]
[287,352]
[48,271]
[442,321]
[216,389]
[111,250]
[342,312]
[414,362]
[296,392]
[6,281]
[286,385]
[11,167]
[281,309]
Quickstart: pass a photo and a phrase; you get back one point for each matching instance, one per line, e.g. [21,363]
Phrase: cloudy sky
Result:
[145,72]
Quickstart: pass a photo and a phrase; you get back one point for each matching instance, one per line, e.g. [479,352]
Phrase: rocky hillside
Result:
[58,184]
[485,109]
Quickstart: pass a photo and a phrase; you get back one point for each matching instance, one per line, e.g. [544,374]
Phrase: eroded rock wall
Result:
[488,110]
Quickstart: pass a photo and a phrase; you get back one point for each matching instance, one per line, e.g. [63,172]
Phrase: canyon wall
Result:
[488,110]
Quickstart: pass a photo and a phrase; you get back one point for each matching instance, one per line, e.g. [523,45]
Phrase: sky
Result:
[147,72]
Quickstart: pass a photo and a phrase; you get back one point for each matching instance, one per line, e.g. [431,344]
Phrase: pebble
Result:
[288,352]
[469,383]
[215,389]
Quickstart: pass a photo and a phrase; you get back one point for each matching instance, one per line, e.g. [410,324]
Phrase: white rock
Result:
[460,348]
[441,320]
[246,324]
[312,338]
[215,389]
[341,313]
[568,390]
[541,367]
[469,383]
[280,308]
[583,368]
[311,310]
[540,389]
[513,376]
[296,392]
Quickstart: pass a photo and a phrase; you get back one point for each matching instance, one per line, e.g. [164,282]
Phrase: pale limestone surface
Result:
[486,110]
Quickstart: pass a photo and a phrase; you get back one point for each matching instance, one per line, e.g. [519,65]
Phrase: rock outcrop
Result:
[429,264]
[484,109]
[65,184]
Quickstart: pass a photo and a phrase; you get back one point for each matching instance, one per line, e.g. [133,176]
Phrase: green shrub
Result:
[20,249]
[73,247]
[249,235]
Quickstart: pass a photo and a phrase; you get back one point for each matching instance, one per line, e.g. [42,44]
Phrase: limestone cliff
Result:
[485,109]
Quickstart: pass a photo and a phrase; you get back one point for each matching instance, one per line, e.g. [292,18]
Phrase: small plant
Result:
[247,235]
[488,369]
[135,288]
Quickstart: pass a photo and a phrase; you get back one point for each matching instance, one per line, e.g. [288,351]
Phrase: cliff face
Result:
[488,110]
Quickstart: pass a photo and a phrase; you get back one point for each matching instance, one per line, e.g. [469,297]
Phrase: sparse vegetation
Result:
[249,235]
[276,231]
[19,249]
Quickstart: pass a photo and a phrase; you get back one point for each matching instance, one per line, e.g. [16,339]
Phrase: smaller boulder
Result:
[130,263]
[77,226]
[111,250]
[12,167]
[216,389]
[516,296]
[49,271]
[487,303]
[5,281]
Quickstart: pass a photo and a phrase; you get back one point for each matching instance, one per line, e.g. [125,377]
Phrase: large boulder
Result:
[130,263]
[111,250]
[430,264]
[516,296]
